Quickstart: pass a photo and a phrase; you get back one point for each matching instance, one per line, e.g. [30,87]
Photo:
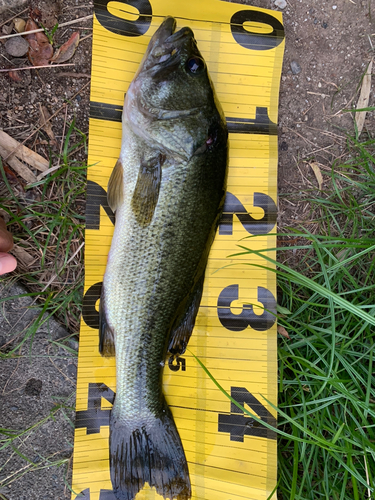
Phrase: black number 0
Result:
[253,40]
[122,26]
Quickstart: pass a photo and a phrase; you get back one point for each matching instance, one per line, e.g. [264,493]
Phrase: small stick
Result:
[84,38]
[49,171]
[55,275]
[52,169]
[318,93]
[23,152]
[73,75]
[37,67]
[40,30]
[15,15]
[89,6]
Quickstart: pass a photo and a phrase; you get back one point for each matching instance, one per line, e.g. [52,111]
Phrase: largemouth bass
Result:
[167,190]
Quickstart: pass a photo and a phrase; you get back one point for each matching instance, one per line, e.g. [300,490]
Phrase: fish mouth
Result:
[165,30]
[165,34]
[166,46]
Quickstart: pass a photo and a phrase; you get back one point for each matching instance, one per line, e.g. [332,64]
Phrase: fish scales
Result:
[168,190]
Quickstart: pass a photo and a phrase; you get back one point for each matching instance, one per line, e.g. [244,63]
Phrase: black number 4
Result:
[238,425]
[94,417]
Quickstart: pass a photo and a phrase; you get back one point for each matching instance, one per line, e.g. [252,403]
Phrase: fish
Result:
[167,190]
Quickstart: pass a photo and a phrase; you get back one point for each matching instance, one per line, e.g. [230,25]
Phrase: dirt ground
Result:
[328,46]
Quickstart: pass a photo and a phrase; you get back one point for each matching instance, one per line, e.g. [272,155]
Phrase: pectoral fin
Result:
[184,323]
[106,333]
[115,190]
[146,191]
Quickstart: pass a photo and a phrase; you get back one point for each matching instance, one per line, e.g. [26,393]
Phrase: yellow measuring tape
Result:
[230,456]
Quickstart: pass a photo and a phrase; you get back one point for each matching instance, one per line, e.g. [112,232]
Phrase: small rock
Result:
[295,67]
[324,25]
[72,370]
[284,146]
[73,344]
[334,7]
[280,3]
[19,25]
[17,46]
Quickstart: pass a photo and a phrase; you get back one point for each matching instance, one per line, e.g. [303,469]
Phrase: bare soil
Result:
[52,87]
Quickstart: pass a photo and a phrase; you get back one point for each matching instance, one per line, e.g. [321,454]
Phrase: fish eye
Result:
[195,65]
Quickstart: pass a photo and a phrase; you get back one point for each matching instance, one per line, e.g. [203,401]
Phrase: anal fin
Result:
[184,323]
[106,333]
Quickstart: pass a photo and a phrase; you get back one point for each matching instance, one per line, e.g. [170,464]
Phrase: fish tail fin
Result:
[148,451]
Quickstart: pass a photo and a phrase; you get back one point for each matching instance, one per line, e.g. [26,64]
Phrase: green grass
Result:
[327,367]
[47,221]
[326,397]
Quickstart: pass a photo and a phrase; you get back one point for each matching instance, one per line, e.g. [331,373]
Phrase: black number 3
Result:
[247,317]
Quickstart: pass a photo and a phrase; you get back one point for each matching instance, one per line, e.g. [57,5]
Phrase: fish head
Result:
[171,100]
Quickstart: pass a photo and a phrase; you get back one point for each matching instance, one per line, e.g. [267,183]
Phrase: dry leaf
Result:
[46,11]
[20,78]
[15,76]
[363,99]
[23,256]
[46,123]
[318,173]
[282,331]
[11,176]
[35,15]
[7,30]
[19,25]
[40,51]
[66,51]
